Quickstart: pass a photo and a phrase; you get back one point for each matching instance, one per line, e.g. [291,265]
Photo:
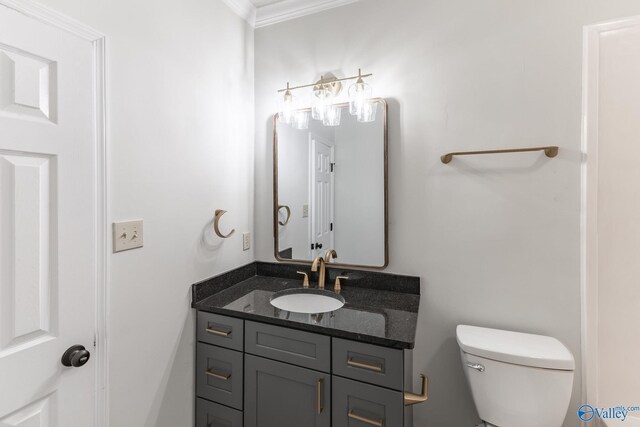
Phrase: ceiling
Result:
[261,13]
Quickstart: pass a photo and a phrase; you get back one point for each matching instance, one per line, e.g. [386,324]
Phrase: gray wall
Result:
[494,239]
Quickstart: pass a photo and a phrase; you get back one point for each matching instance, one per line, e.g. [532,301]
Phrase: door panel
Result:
[281,395]
[322,153]
[47,223]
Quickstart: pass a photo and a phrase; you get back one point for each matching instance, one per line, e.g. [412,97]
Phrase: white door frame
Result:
[589,204]
[98,41]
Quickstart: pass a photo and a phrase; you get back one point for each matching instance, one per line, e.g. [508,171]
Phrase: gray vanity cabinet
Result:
[252,374]
[282,395]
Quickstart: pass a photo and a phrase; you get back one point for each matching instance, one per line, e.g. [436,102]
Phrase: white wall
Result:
[180,93]
[618,219]
[496,240]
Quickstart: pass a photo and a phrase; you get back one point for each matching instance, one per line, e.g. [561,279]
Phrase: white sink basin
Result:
[307,301]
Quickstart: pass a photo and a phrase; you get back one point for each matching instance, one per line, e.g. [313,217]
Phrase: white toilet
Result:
[516,379]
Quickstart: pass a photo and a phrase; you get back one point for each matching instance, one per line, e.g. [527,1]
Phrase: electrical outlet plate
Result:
[127,235]
[305,211]
[246,241]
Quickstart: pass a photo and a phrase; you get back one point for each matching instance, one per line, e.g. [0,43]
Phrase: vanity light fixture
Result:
[359,95]
[323,102]
[301,119]
[287,106]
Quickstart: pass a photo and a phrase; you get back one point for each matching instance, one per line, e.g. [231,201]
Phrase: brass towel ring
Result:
[288,209]
[216,224]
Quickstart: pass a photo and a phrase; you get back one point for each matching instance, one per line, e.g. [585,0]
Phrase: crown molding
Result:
[244,8]
[291,9]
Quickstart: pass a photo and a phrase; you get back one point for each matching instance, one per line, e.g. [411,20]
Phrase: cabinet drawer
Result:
[220,330]
[288,345]
[209,414]
[219,375]
[369,363]
[356,404]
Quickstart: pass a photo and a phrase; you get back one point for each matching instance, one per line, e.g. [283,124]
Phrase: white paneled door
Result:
[47,224]
[322,166]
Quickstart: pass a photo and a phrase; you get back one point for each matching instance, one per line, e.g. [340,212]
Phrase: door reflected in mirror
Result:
[331,189]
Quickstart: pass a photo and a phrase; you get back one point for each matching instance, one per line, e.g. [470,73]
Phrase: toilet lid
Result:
[515,347]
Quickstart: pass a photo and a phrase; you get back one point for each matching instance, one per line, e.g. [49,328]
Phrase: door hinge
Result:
[333,165]
[331,227]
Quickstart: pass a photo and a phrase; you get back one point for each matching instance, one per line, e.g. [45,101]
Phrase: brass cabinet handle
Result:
[319,403]
[218,376]
[377,423]
[375,368]
[218,332]
[412,398]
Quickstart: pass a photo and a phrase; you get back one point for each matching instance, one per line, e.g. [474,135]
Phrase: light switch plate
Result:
[127,235]
[246,241]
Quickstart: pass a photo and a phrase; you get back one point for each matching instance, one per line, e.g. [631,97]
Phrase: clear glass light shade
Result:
[321,100]
[368,112]
[332,116]
[301,119]
[359,95]
[287,108]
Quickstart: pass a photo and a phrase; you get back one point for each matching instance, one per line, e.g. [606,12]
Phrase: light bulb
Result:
[321,99]
[368,112]
[287,108]
[332,116]
[359,95]
[301,119]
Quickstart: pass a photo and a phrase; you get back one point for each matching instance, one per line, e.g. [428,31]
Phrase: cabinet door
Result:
[281,395]
[357,404]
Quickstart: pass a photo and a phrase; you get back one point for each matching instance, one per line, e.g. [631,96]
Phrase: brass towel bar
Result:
[550,151]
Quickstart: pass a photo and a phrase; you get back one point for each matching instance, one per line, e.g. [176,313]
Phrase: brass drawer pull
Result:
[375,368]
[377,423]
[320,405]
[219,376]
[218,332]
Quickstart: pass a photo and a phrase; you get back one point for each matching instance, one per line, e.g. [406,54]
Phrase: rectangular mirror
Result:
[330,189]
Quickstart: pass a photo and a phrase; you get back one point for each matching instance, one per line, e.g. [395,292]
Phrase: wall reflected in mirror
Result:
[331,189]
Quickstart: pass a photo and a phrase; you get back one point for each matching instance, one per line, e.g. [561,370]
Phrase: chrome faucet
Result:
[319,262]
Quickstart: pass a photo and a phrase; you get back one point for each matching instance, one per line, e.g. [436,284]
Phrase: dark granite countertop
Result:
[371,315]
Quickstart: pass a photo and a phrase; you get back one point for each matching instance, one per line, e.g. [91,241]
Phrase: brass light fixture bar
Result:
[326,81]
[550,151]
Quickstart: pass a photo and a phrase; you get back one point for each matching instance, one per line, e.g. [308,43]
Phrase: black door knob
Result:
[76,356]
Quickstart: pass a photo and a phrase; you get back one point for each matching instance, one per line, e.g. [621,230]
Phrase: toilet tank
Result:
[516,379]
